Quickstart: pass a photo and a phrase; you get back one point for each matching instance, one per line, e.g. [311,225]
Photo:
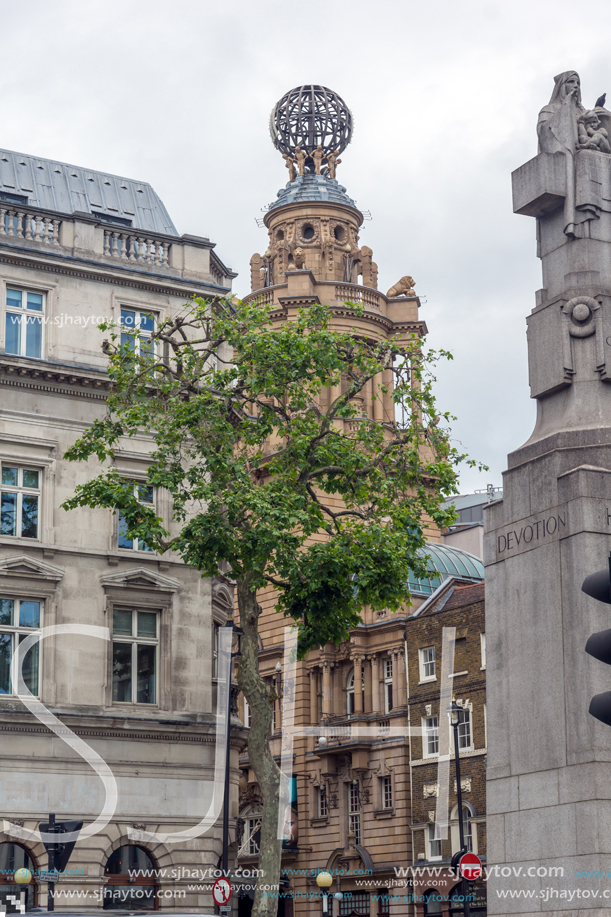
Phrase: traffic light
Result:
[59,851]
[598,585]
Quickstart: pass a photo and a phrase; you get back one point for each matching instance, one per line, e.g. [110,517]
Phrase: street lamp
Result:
[454,712]
[23,876]
[236,645]
[324,880]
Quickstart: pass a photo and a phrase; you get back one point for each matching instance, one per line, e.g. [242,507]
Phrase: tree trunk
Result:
[260,700]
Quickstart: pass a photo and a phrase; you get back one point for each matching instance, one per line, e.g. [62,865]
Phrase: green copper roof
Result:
[443,562]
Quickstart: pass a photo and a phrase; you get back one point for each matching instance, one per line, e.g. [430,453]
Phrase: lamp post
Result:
[324,880]
[455,712]
[22,877]
[236,641]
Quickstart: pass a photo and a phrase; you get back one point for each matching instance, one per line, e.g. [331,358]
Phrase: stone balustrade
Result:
[18,223]
[354,292]
[130,246]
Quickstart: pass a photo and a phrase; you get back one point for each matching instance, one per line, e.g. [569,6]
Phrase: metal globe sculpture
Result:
[309,116]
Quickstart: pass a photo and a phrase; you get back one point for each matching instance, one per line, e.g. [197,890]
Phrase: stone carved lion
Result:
[404,287]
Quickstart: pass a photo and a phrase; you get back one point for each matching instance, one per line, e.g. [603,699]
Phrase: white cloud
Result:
[445,97]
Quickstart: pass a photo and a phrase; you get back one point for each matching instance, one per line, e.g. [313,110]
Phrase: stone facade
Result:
[548,796]
[150,714]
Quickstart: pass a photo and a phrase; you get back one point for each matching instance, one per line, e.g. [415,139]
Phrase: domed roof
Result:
[312,187]
[444,561]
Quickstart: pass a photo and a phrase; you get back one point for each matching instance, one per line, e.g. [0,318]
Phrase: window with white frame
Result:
[467,828]
[434,844]
[388,695]
[145,494]
[464,729]
[247,714]
[322,806]
[387,802]
[24,320]
[215,649]
[143,324]
[430,736]
[483,640]
[354,811]
[19,501]
[134,656]
[19,618]
[251,839]
[427,663]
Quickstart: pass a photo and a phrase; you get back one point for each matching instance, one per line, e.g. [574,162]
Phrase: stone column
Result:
[398,679]
[326,690]
[367,670]
[375,684]
[313,673]
[358,680]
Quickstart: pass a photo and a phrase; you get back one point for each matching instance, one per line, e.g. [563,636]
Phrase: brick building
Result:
[459,606]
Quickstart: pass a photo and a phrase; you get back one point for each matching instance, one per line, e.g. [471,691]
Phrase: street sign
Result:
[221,891]
[470,867]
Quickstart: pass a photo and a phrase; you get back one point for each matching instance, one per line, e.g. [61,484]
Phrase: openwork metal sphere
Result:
[311,115]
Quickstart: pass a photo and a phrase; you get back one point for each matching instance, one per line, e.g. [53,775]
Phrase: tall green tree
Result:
[267,480]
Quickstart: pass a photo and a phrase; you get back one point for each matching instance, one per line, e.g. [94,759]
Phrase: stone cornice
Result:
[103,272]
[43,376]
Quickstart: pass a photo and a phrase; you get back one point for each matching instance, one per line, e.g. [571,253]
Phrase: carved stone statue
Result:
[404,287]
[300,159]
[333,162]
[558,133]
[299,259]
[591,135]
[318,155]
[290,164]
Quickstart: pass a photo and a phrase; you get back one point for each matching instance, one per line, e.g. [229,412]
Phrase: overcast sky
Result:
[445,97]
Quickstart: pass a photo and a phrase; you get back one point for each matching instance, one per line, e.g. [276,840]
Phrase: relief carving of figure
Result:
[591,135]
[300,159]
[318,155]
[333,162]
[404,287]
[290,164]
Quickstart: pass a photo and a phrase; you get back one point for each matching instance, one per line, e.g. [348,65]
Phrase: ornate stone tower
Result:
[314,252]
[549,797]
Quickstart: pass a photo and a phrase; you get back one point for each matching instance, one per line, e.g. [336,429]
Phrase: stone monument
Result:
[549,762]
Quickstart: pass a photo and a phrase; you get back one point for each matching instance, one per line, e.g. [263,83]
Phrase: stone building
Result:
[454,604]
[351,801]
[78,246]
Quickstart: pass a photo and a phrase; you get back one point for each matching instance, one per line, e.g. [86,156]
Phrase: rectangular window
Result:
[483,640]
[143,323]
[134,656]
[354,903]
[145,495]
[247,714]
[19,501]
[427,663]
[254,836]
[387,792]
[430,736]
[321,798]
[388,694]
[24,314]
[464,729]
[354,812]
[434,844]
[19,618]
[215,650]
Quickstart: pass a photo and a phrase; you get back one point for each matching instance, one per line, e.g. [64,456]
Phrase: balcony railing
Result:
[354,292]
[32,227]
[129,246]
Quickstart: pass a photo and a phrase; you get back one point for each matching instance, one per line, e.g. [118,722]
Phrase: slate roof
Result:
[59,186]
[465,595]
[311,187]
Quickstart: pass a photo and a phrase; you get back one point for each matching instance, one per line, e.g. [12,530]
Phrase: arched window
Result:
[432,902]
[350,694]
[12,858]
[132,880]
[469,828]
